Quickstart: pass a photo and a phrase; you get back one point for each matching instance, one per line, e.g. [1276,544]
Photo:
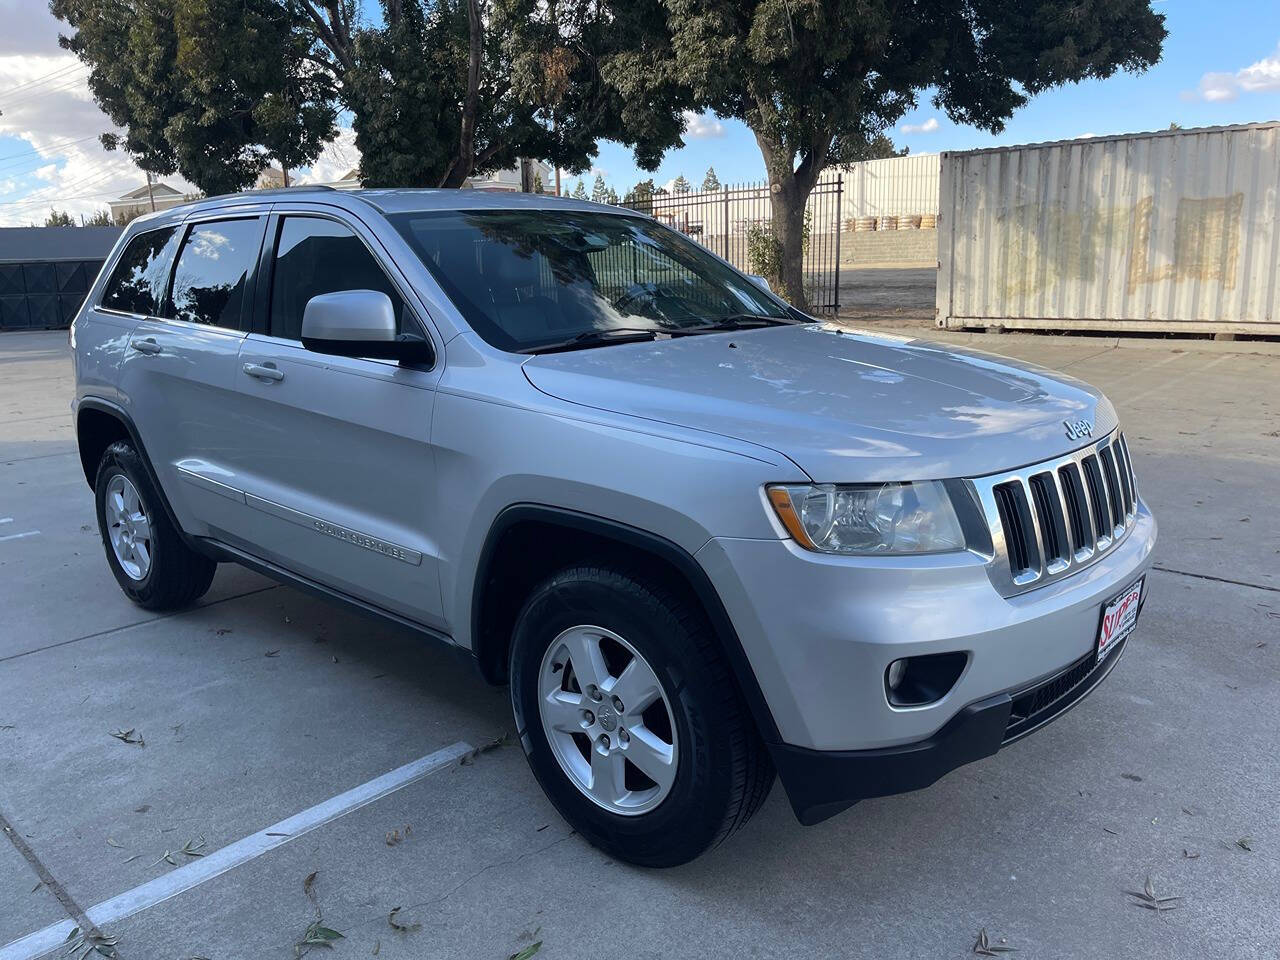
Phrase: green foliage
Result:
[764,252]
[818,81]
[215,89]
[599,190]
[538,186]
[711,182]
[681,185]
[59,218]
[100,219]
[580,191]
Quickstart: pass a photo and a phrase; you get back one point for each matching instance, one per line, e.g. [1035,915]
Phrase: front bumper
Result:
[821,783]
[819,632]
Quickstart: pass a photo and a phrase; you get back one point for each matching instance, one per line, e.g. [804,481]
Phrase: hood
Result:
[845,406]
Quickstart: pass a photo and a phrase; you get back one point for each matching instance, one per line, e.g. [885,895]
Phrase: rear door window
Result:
[213,271]
[137,282]
[315,256]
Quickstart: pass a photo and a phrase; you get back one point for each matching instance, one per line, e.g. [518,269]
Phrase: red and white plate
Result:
[1119,617]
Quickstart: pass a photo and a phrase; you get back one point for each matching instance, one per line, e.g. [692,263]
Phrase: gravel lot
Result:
[263,702]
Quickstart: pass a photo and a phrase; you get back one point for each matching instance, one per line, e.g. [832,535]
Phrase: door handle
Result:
[148,345]
[264,371]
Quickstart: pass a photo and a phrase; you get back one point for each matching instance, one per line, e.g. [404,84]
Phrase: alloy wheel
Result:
[608,720]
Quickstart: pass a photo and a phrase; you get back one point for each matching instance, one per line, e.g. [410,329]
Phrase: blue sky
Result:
[1221,65]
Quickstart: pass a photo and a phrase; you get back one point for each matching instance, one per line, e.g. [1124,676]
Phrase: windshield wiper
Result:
[740,321]
[595,338]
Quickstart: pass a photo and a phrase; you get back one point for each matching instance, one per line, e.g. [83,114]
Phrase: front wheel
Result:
[630,718]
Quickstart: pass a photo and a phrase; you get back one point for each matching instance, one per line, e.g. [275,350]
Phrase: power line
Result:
[48,76]
[41,94]
[42,155]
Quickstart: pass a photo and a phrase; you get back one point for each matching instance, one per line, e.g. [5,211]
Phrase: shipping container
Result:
[1172,231]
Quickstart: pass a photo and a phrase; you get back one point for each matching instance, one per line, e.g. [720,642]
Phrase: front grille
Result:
[1051,519]
[1037,706]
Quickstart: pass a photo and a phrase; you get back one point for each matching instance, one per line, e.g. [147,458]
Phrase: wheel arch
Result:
[560,536]
[100,423]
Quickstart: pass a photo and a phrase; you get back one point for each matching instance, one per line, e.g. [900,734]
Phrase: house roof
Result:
[44,244]
[158,189]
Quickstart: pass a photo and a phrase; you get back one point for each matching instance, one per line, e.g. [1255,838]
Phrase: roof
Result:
[156,188]
[44,244]
[1105,138]
[411,201]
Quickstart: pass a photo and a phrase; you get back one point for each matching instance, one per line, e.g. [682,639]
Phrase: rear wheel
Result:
[153,566]
[630,718]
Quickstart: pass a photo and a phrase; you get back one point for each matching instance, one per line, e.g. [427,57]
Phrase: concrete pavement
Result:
[263,702]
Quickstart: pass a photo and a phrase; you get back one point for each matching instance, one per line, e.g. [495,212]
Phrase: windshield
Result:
[530,279]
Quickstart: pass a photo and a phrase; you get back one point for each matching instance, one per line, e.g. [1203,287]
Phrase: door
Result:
[333,453]
[178,372]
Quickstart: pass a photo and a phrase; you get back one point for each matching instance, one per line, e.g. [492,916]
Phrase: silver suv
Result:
[702,536]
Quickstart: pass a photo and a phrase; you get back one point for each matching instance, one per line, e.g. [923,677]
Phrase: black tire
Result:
[723,771]
[178,576]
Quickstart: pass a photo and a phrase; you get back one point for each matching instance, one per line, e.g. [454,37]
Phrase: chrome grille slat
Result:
[1049,520]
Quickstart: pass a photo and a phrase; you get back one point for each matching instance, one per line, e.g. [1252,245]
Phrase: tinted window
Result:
[137,282]
[316,256]
[212,270]
[526,278]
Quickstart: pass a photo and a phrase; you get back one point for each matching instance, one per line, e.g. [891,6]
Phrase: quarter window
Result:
[212,271]
[137,282]
[315,256]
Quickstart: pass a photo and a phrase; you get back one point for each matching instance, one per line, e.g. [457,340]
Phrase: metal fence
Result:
[44,296]
[732,221]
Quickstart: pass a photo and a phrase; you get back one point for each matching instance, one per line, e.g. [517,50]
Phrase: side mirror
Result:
[359,323]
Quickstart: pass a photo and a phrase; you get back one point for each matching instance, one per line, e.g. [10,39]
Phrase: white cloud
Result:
[929,126]
[336,160]
[702,126]
[45,105]
[1259,77]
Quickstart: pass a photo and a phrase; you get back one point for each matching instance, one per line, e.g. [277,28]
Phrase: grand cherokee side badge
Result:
[1078,429]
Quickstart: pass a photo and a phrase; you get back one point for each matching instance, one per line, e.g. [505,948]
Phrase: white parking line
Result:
[19,536]
[220,861]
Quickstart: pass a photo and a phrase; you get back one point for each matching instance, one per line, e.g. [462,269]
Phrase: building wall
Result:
[889,246]
[1176,230]
[897,186]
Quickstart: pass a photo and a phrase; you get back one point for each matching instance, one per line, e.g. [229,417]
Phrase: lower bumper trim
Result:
[822,783]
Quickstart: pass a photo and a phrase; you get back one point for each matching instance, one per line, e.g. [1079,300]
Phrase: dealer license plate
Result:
[1119,617]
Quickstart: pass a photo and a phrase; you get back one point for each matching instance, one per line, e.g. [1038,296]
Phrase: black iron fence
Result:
[736,222]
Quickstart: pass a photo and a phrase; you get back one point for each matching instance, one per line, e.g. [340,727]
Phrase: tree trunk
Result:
[788,233]
[464,164]
[790,185]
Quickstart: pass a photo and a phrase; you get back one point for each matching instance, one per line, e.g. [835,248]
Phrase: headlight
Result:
[874,518]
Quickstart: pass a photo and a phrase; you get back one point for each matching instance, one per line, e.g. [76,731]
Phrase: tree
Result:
[681,185]
[640,197]
[438,90]
[817,81]
[711,181]
[59,218]
[538,186]
[610,197]
[598,189]
[100,219]
[216,89]
[580,191]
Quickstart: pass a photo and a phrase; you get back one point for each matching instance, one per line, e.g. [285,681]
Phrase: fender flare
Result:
[120,414]
[659,547]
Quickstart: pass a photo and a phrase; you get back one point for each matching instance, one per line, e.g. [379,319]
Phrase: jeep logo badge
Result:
[1078,429]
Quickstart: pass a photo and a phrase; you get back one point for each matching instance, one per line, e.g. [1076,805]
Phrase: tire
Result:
[157,571]
[719,771]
